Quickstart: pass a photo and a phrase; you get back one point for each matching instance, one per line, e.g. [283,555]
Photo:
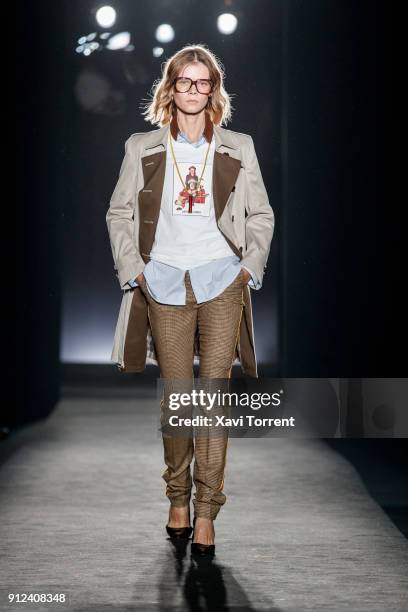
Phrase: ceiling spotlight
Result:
[227,23]
[106,16]
[164,33]
[118,41]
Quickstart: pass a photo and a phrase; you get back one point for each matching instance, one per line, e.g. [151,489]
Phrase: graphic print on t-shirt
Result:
[192,198]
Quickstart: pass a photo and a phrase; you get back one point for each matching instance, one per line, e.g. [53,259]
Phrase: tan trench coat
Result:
[243,213]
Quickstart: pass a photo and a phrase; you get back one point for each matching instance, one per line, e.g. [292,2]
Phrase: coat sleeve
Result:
[128,262]
[260,220]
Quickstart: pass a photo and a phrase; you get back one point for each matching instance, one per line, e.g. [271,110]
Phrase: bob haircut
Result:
[159,110]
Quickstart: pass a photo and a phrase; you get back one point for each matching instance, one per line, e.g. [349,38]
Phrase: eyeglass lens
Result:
[183,85]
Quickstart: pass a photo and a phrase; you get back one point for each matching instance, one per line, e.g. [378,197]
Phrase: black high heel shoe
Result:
[179,532]
[202,550]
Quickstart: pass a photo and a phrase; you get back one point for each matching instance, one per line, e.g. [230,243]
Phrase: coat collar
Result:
[159,137]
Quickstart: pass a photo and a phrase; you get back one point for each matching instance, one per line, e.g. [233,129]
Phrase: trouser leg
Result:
[218,324]
[173,330]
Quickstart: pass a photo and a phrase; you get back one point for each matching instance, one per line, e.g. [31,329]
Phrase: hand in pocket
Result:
[245,275]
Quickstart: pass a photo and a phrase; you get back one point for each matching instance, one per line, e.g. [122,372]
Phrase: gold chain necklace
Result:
[178,169]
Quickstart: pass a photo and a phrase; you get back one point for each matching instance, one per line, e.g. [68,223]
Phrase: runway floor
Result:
[83,513]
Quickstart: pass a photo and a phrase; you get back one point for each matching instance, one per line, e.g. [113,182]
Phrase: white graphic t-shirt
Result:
[187,234]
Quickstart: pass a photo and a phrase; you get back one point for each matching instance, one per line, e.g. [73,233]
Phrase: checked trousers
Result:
[217,322]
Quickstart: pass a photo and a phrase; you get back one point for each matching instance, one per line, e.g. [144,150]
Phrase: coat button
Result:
[232,219]
[240,248]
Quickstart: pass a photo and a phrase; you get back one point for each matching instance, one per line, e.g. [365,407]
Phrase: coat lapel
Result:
[154,168]
[225,174]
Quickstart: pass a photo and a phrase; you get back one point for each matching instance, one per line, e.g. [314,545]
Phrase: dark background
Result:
[105,93]
[312,85]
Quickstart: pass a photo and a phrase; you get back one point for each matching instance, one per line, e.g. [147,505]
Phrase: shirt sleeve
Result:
[253,281]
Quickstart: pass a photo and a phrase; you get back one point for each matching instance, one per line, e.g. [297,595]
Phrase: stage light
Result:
[106,16]
[164,33]
[85,46]
[118,41]
[227,23]
[158,51]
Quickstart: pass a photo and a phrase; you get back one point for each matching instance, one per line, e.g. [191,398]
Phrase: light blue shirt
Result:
[165,283]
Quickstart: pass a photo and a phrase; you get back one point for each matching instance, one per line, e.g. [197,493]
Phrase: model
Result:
[190,227]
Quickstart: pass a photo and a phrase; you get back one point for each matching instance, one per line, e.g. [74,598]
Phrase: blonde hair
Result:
[160,109]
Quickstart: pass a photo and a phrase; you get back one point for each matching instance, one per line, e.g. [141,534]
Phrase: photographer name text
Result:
[222,421]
